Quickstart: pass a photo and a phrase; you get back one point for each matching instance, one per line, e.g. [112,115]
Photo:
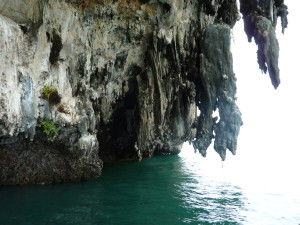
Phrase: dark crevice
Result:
[24,28]
[117,138]
[166,7]
[48,36]
[55,48]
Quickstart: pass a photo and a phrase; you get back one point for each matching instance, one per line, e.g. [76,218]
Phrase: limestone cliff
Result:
[90,81]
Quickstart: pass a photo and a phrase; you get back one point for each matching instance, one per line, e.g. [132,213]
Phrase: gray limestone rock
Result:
[260,19]
[134,78]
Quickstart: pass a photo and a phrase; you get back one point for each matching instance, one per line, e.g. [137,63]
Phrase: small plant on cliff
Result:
[49,129]
[51,94]
[63,108]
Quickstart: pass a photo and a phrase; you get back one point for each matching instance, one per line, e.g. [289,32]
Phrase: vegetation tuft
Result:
[49,129]
[51,94]
[63,109]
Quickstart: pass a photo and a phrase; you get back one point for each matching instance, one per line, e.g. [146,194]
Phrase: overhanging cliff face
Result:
[131,76]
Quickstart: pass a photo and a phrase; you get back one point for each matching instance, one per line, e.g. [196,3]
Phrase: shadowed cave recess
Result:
[130,76]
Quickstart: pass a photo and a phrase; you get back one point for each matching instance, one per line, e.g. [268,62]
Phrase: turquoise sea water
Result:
[162,190]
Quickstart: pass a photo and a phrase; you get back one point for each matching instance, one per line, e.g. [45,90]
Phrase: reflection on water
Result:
[160,190]
[270,189]
[212,201]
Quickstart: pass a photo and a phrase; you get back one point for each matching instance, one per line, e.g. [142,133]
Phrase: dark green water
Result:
[155,191]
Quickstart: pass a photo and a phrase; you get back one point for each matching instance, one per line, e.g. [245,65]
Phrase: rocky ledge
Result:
[90,81]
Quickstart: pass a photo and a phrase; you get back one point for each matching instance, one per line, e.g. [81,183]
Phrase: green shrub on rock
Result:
[49,129]
[51,94]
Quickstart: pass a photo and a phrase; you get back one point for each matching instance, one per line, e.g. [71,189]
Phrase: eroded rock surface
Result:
[131,75]
[260,18]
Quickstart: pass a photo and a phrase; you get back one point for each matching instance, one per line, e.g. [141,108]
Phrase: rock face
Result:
[130,76]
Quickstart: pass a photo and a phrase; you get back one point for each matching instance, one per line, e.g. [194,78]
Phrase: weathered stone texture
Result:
[260,18]
[131,74]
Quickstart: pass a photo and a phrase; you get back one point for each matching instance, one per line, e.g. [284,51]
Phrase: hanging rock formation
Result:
[90,81]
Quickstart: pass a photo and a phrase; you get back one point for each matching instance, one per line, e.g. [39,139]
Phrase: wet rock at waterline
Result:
[86,82]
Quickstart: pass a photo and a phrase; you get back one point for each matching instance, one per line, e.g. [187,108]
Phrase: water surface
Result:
[162,190]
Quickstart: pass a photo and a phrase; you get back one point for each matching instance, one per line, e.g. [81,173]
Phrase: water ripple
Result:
[154,192]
